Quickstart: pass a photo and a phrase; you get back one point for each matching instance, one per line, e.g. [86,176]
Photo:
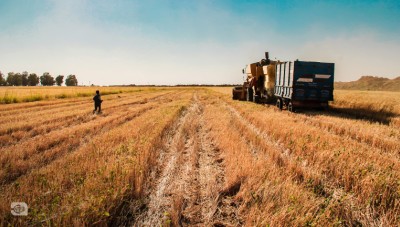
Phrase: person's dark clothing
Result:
[97,103]
[97,99]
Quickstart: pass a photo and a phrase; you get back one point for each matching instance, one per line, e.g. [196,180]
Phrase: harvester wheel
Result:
[279,104]
[234,96]
[256,98]
[249,95]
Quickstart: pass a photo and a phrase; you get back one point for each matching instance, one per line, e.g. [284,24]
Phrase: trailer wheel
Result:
[291,107]
[326,107]
[249,95]
[279,103]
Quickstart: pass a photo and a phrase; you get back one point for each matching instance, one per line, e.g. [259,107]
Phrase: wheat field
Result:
[35,93]
[193,156]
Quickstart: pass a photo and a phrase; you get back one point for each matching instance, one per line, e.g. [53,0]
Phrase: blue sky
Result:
[205,41]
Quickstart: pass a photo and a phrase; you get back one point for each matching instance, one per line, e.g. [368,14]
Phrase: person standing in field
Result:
[97,102]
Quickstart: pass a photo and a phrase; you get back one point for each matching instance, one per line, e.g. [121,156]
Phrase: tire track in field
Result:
[160,199]
[217,205]
[188,178]
[44,153]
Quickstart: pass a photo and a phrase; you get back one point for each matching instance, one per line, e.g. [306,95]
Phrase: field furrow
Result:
[27,121]
[41,150]
[110,165]
[243,167]
[170,182]
[292,169]
[385,138]
[346,167]
[54,96]
[77,115]
[11,109]
[194,157]
[188,178]
[44,149]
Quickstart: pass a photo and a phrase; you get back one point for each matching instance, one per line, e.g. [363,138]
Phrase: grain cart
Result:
[259,84]
[289,84]
[304,84]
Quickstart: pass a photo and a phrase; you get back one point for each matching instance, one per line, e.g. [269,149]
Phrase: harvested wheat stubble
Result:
[244,166]
[77,115]
[56,113]
[31,94]
[45,148]
[383,137]
[46,104]
[194,157]
[185,184]
[288,166]
[85,163]
[31,106]
[351,169]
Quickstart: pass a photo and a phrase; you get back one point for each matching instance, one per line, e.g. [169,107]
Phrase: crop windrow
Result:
[96,176]
[342,163]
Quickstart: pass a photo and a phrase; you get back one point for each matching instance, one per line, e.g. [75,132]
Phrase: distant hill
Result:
[373,83]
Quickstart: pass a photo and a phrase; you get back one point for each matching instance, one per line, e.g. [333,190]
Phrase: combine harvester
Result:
[290,85]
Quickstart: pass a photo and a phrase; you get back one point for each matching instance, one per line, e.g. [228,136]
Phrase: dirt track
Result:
[186,185]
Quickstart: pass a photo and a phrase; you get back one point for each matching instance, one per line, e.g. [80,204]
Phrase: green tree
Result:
[59,80]
[2,80]
[25,78]
[47,80]
[33,79]
[71,81]
[10,79]
[14,79]
[18,79]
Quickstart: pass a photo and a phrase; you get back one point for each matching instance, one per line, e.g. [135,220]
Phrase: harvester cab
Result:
[259,82]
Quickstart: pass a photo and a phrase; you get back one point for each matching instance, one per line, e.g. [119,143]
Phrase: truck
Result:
[288,84]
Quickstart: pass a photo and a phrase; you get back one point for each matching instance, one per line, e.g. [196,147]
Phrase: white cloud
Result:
[69,40]
[357,54]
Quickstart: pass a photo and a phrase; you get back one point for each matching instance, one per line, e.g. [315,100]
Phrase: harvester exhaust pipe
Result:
[266,56]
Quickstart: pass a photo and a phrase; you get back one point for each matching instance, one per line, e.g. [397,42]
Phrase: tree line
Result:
[26,79]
